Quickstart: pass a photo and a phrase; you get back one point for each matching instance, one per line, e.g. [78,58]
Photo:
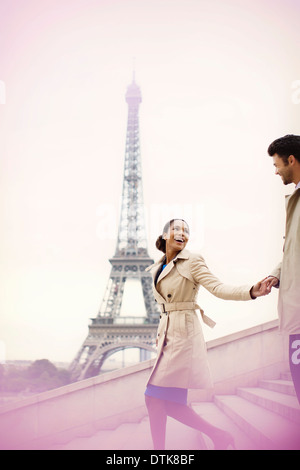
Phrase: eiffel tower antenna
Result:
[110,332]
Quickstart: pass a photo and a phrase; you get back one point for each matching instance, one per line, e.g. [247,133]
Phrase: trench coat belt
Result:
[171,306]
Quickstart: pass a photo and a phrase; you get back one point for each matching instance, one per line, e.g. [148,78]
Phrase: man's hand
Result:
[271,281]
[264,287]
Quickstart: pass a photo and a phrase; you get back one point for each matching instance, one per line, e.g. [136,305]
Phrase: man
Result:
[285,152]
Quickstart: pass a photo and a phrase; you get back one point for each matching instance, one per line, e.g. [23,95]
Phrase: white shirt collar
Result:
[298,185]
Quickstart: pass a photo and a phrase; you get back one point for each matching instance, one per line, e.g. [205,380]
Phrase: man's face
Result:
[282,169]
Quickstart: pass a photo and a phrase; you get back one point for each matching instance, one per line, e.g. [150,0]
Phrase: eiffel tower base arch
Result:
[104,340]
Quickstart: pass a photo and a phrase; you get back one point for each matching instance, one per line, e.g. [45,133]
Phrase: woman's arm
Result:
[203,276]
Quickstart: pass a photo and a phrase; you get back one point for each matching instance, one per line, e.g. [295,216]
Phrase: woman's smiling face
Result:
[178,235]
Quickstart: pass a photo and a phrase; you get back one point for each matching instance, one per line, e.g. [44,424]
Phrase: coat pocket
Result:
[189,324]
[186,326]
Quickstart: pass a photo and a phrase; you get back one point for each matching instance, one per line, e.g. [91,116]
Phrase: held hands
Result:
[264,287]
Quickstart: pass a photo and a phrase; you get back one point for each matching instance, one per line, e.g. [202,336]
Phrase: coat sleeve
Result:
[203,276]
[277,271]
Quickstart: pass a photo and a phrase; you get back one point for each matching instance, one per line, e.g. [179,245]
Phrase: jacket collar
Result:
[153,268]
[291,196]
[183,254]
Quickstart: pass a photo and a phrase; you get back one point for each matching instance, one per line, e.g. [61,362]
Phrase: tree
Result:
[39,377]
[39,367]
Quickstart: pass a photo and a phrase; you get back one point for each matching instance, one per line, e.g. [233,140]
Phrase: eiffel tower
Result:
[109,332]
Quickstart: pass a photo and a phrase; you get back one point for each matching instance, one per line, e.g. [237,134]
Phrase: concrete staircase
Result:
[266,417]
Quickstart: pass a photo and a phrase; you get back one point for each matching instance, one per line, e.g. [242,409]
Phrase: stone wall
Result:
[105,401]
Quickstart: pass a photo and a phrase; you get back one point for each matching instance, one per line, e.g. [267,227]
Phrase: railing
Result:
[122,321]
[131,321]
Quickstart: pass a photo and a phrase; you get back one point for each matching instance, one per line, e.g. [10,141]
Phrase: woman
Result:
[181,361]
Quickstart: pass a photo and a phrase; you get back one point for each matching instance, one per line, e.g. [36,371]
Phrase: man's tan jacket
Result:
[288,271]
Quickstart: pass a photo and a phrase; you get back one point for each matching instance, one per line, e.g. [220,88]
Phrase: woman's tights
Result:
[159,410]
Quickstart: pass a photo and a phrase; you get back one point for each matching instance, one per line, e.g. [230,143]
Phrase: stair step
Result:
[85,443]
[178,437]
[286,375]
[120,437]
[115,439]
[282,404]
[214,415]
[141,437]
[181,437]
[281,386]
[268,430]
[137,436]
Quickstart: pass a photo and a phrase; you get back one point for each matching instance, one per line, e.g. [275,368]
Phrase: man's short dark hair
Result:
[286,146]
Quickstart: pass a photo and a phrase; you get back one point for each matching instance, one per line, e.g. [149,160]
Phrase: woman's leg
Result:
[158,420]
[186,415]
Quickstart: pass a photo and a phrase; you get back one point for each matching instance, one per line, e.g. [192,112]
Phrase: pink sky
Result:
[217,83]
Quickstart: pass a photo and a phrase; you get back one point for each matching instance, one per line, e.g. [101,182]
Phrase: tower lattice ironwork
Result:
[109,331]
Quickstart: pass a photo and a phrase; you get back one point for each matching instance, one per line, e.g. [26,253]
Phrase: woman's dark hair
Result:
[286,146]
[160,242]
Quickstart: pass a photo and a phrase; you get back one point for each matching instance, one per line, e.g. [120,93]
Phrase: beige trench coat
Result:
[181,353]
[288,271]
